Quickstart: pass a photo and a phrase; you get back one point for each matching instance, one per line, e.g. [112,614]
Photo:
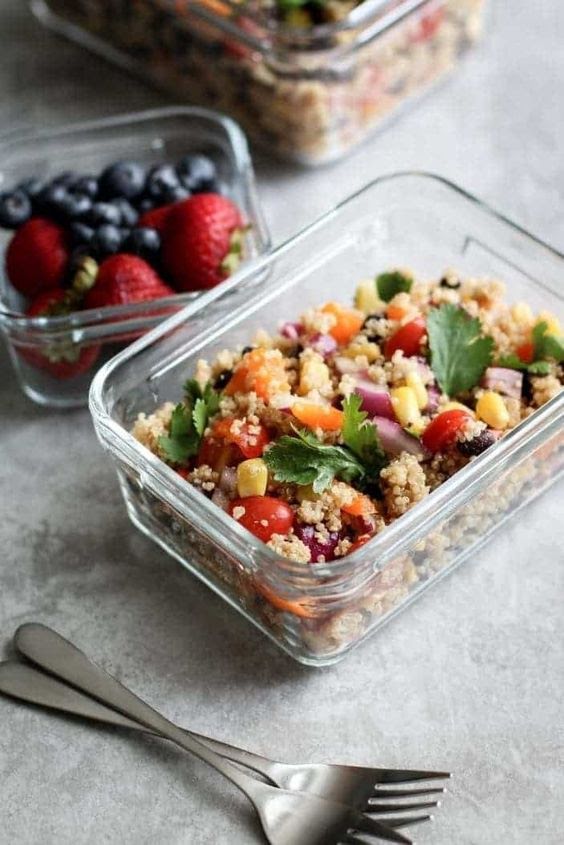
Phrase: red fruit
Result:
[407,338]
[263,516]
[442,431]
[200,234]
[62,360]
[157,217]
[526,352]
[37,256]
[123,279]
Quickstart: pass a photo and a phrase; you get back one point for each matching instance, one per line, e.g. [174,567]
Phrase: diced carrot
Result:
[395,312]
[526,352]
[361,506]
[237,383]
[349,322]
[304,607]
[318,416]
[261,371]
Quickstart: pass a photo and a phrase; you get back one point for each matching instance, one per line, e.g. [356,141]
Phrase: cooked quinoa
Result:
[318,437]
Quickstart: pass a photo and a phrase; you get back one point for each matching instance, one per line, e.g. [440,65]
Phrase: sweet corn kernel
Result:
[522,314]
[492,410]
[415,381]
[252,478]
[366,298]
[406,409]
[552,322]
[457,406]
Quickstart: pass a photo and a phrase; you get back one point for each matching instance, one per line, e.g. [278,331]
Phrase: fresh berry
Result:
[49,200]
[123,179]
[145,204]
[37,256]
[201,235]
[73,206]
[32,187]
[63,360]
[125,279]
[144,242]
[66,179]
[129,215]
[107,240]
[177,194]
[161,181]
[104,212]
[87,185]
[197,172]
[81,233]
[156,218]
[15,209]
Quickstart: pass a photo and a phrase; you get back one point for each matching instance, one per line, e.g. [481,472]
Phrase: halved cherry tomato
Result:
[526,352]
[217,454]
[361,506]
[441,432]
[407,338]
[318,416]
[250,440]
[359,543]
[264,516]
[349,322]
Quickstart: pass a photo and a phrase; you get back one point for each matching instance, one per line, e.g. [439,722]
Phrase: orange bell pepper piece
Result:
[349,322]
[324,417]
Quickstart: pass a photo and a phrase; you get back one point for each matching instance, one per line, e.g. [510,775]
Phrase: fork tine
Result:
[364,824]
[405,822]
[401,808]
[406,775]
[404,793]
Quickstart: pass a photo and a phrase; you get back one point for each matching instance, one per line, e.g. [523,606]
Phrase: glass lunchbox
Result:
[97,334]
[414,220]
[309,93]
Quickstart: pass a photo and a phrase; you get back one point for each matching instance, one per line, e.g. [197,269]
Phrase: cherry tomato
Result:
[264,516]
[526,352]
[441,432]
[359,543]
[250,440]
[407,338]
[218,454]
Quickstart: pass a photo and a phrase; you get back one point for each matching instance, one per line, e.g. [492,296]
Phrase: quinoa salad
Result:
[317,438]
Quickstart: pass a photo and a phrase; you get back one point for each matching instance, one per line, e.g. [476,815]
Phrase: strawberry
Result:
[202,241]
[124,279]
[37,256]
[157,217]
[64,359]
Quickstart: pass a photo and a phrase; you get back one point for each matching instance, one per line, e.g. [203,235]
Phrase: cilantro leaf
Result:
[362,437]
[200,416]
[182,441]
[513,362]
[388,284]
[459,351]
[303,459]
[547,345]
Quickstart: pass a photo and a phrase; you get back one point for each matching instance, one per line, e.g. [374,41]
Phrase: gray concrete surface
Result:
[471,678]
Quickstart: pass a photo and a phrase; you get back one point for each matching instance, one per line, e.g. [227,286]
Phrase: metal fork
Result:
[358,786]
[287,817]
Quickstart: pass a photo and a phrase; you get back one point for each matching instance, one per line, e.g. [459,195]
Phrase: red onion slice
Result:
[324,344]
[433,396]
[395,440]
[376,399]
[291,330]
[504,380]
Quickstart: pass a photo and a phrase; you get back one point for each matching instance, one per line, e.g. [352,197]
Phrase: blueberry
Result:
[15,209]
[104,212]
[87,185]
[197,172]
[74,206]
[81,233]
[175,195]
[161,179]
[32,187]
[123,179]
[143,241]
[129,216]
[107,240]
[146,204]
[66,179]
[49,200]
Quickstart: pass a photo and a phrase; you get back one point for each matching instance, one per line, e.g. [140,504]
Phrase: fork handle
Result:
[53,652]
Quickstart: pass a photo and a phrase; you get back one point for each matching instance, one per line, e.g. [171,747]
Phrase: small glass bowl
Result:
[149,137]
[318,612]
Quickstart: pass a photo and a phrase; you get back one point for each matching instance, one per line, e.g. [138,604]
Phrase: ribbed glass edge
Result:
[360,565]
[92,324]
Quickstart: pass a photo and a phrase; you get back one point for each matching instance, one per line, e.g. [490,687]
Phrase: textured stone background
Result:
[471,678]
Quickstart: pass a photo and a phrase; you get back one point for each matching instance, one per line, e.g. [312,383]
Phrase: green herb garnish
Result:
[513,362]
[547,345]
[388,284]
[188,422]
[362,437]
[459,351]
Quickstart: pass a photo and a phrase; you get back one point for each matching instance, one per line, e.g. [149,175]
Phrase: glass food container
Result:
[308,93]
[96,335]
[318,612]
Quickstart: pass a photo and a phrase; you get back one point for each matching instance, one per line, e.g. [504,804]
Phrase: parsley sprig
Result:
[303,459]
[188,422]
[459,351]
